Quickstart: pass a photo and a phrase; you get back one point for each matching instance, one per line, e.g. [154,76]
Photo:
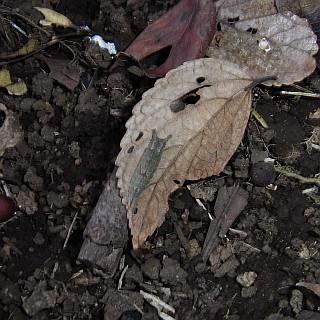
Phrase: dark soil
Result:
[57,172]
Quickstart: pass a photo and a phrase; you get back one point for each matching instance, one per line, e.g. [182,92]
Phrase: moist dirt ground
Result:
[57,171]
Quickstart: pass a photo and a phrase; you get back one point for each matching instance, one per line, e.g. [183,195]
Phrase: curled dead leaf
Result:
[185,128]
[10,131]
[187,28]
[31,46]
[54,17]
[268,44]
[15,89]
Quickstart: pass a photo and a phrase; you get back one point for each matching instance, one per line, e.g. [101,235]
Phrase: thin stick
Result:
[157,302]
[121,277]
[70,230]
[301,94]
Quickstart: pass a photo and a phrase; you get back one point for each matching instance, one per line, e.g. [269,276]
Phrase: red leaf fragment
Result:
[188,28]
[7,208]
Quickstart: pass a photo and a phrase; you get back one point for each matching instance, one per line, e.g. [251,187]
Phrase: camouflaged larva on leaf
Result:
[146,167]
[198,113]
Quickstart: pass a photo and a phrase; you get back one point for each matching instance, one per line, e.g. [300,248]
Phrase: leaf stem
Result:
[302,179]
[257,81]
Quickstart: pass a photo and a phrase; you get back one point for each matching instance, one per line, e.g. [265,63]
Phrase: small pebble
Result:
[246,279]
[262,174]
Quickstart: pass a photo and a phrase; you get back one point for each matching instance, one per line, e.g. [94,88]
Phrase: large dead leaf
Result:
[10,131]
[185,128]
[188,28]
[273,43]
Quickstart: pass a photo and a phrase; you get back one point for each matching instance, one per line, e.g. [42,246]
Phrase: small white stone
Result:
[304,252]
[104,45]
[246,279]
[264,45]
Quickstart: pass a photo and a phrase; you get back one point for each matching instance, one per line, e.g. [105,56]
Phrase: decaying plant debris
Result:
[72,119]
[190,124]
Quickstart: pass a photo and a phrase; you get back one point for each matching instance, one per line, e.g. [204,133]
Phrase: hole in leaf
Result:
[140,135]
[200,79]
[176,182]
[252,30]
[191,98]
[130,149]
[233,20]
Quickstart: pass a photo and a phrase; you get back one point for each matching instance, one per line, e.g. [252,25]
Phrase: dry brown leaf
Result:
[229,203]
[185,128]
[268,44]
[10,131]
